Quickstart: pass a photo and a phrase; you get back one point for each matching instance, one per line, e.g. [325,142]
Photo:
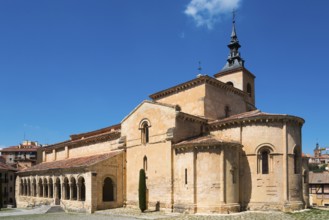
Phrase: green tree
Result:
[142,190]
[0,193]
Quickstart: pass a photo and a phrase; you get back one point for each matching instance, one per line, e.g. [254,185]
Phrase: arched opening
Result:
[296,161]
[73,188]
[58,190]
[45,187]
[264,157]
[305,176]
[29,187]
[264,160]
[40,188]
[34,187]
[66,187]
[108,190]
[230,83]
[249,90]
[82,189]
[145,163]
[145,133]
[21,187]
[51,188]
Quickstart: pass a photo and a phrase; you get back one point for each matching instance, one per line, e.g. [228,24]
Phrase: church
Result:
[203,144]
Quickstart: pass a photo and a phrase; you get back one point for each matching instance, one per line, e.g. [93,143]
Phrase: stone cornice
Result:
[195,82]
[187,117]
[255,119]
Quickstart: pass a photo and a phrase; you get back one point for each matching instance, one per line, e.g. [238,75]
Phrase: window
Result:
[264,158]
[230,83]
[108,190]
[227,111]
[185,176]
[145,163]
[249,90]
[145,133]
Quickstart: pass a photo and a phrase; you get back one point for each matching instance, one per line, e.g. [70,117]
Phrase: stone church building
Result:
[203,144]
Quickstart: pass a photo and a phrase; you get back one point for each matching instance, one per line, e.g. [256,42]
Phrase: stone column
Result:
[44,190]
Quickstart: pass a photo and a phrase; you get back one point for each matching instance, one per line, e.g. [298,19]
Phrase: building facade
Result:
[319,188]
[22,156]
[7,179]
[203,144]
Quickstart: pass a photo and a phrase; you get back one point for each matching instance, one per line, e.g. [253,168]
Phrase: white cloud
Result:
[208,12]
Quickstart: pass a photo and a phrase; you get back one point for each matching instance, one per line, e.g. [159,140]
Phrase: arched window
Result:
[296,161]
[264,157]
[145,132]
[249,90]
[108,190]
[145,163]
[264,160]
[227,111]
[230,83]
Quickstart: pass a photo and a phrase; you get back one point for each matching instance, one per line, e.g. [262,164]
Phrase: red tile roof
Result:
[319,178]
[4,166]
[254,115]
[209,140]
[18,149]
[72,163]
[96,132]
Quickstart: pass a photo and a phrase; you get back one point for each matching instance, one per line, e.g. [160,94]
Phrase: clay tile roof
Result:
[255,114]
[319,178]
[96,132]
[209,140]
[22,149]
[72,163]
[4,166]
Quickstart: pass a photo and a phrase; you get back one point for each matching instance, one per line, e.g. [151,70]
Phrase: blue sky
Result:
[71,66]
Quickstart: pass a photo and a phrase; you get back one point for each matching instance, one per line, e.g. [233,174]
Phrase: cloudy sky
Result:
[71,66]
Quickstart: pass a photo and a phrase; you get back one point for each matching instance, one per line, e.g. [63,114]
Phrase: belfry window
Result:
[145,133]
[230,83]
[227,111]
[249,90]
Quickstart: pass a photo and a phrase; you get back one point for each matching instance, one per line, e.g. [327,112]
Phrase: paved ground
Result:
[135,214]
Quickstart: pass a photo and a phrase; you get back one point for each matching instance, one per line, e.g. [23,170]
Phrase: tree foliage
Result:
[142,190]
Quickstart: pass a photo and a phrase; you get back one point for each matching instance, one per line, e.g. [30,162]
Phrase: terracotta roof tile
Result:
[4,166]
[22,149]
[319,178]
[209,140]
[73,162]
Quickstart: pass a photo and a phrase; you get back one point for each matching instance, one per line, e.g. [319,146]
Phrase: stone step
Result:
[55,208]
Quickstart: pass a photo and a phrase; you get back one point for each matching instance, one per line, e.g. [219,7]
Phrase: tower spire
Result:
[234,59]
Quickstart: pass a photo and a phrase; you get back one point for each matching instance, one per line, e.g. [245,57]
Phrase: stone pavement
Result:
[15,211]
[135,214]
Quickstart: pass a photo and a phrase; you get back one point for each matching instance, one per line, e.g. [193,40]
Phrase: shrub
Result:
[142,190]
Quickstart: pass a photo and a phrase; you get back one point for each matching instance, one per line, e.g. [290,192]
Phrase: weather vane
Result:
[234,12]
[199,68]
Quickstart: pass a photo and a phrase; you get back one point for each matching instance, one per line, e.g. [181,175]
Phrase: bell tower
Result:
[234,73]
